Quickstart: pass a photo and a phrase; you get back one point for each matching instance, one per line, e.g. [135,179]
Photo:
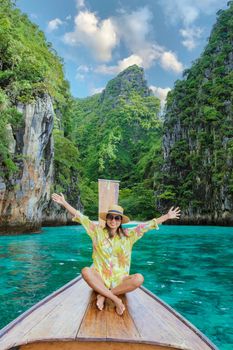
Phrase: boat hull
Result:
[69,319]
[87,345]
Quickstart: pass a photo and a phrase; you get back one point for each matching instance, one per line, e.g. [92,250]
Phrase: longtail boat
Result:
[68,319]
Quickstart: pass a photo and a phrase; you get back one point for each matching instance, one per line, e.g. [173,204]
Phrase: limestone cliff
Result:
[32,81]
[198,134]
[25,194]
[25,203]
[118,136]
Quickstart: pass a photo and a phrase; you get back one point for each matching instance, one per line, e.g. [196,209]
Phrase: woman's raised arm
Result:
[89,226]
[171,214]
[135,233]
[60,199]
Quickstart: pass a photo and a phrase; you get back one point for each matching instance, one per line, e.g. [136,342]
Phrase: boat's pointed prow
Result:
[69,320]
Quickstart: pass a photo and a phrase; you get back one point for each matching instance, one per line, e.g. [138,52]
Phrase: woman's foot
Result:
[100,302]
[120,307]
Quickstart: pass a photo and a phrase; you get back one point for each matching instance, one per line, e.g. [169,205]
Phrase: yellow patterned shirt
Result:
[112,256]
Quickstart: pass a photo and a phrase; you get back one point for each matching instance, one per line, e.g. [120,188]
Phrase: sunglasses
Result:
[112,217]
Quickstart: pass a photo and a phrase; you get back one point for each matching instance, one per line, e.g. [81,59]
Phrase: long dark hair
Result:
[120,230]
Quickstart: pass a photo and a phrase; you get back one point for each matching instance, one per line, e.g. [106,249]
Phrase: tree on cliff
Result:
[198,131]
[118,134]
[29,67]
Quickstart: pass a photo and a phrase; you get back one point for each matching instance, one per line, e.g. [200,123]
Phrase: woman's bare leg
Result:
[100,298]
[128,284]
[94,280]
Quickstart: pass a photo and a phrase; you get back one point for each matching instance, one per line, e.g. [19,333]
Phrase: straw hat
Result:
[117,210]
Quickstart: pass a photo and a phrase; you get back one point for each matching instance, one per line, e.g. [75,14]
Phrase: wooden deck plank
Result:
[159,325]
[150,329]
[106,324]
[94,323]
[25,324]
[72,309]
[71,314]
[18,332]
[121,327]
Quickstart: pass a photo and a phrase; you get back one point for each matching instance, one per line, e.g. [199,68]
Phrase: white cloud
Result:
[79,76]
[80,4]
[161,93]
[94,91]
[150,54]
[134,27]
[104,69]
[191,36]
[129,61]
[98,35]
[169,62]
[68,17]
[132,30]
[83,68]
[186,13]
[54,24]
[121,65]
[81,72]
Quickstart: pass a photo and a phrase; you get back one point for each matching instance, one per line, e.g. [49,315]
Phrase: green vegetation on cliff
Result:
[118,134]
[198,128]
[29,64]
[29,67]
[115,135]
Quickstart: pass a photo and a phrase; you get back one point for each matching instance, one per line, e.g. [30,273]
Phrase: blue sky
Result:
[99,38]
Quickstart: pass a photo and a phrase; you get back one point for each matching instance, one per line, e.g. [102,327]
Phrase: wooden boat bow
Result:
[68,319]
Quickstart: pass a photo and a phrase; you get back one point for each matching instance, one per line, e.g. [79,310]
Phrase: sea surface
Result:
[189,267]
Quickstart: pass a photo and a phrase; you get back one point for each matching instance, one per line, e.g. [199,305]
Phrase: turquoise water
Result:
[189,267]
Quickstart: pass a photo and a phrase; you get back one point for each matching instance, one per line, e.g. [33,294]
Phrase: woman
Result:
[112,245]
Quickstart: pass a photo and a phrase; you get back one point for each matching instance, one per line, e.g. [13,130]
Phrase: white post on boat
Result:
[108,195]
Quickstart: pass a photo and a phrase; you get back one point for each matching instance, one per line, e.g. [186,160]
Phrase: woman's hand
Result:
[174,213]
[171,214]
[60,199]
